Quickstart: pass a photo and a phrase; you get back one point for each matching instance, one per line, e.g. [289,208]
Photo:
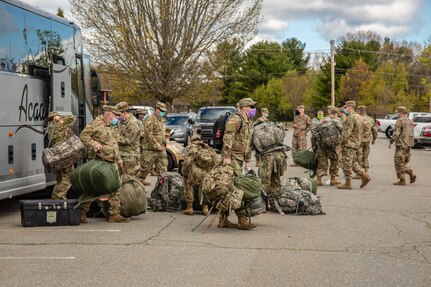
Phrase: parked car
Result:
[176,155]
[419,122]
[425,136]
[206,118]
[386,126]
[180,126]
[150,110]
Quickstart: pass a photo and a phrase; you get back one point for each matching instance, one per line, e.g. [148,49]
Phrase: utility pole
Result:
[332,74]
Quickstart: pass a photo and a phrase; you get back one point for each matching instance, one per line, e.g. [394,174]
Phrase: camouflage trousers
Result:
[323,156]
[401,159]
[362,155]
[63,183]
[273,167]
[298,143]
[114,203]
[151,157]
[349,162]
[131,165]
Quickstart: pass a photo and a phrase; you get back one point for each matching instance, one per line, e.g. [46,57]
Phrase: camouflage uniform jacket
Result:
[369,129]
[237,137]
[343,118]
[260,120]
[301,125]
[129,137]
[403,133]
[154,133]
[59,133]
[99,132]
[352,133]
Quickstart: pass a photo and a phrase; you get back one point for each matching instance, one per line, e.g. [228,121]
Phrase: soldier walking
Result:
[301,125]
[129,140]
[350,143]
[403,139]
[101,142]
[60,131]
[236,151]
[154,143]
[200,159]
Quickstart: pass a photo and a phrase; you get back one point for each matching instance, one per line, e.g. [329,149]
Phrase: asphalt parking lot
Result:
[376,236]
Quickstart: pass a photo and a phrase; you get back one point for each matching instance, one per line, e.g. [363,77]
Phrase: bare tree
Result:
[162,43]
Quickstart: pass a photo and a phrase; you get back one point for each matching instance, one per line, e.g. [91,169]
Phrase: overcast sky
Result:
[315,22]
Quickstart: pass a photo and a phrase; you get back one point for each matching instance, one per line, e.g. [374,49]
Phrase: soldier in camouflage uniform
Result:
[141,116]
[236,151]
[263,118]
[129,140]
[351,139]
[101,142]
[369,136]
[60,131]
[301,125]
[154,143]
[328,153]
[200,159]
[403,139]
[273,167]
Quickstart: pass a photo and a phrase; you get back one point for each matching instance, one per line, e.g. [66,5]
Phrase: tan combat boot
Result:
[411,175]
[83,218]
[205,209]
[347,185]
[225,223]
[189,209]
[365,179]
[334,181]
[357,177]
[244,224]
[401,181]
[117,218]
[319,181]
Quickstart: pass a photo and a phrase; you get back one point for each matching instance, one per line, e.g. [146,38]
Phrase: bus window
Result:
[12,45]
[67,49]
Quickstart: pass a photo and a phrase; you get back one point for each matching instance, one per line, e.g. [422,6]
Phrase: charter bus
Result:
[42,69]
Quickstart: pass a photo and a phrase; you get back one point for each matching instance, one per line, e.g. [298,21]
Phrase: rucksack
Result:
[168,193]
[326,134]
[133,197]
[301,202]
[218,130]
[217,183]
[267,135]
[199,155]
[249,183]
[306,159]
[303,183]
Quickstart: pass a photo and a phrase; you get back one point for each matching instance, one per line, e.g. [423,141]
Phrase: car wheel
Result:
[389,132]
[170,162]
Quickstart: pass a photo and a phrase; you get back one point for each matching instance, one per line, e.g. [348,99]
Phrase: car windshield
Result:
[211,115]
[422,120]
[177,120]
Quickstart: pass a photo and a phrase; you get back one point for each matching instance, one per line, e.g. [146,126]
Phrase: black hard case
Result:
[49,212]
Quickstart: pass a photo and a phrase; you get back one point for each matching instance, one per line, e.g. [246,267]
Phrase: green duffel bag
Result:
[133,196]
[306,159]
[249,183]
[96,178]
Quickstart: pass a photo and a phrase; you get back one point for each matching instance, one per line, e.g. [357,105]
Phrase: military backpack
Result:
[133,197]
[301,202]
[267,136]
[168,193]
[295,183]
[326,134]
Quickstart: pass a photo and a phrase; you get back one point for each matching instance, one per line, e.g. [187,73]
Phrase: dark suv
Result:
[206,118]
[180,126]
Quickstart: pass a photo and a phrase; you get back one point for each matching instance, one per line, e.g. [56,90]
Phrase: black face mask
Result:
[296,112]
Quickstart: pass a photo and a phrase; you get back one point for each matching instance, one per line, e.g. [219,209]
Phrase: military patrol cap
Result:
[141,112]
[264,110]
[300,107]
[361,108]
[51,115]
[161,106]
[402,110]
[122,106]
[195,137]
[246,102]
[350,104]
[112,109]
[334,110]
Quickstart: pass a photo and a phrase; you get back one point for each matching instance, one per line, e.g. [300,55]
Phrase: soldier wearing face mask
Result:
[263,118]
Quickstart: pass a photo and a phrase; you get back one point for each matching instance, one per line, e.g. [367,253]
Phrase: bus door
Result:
[61,88]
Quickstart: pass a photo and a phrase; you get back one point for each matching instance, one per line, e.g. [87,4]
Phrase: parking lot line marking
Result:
[63,230]
[37,258]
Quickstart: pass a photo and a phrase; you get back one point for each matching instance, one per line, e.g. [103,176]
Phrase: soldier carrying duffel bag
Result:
[100,175]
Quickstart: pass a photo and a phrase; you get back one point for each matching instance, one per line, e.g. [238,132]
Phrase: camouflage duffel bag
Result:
[168,193]
[133,197]
[300,202]
[303,183]
[306,159]
[218,182]
[96,177]
[64,155]
[249,183]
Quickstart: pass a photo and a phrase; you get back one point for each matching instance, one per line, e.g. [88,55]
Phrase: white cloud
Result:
[274,25]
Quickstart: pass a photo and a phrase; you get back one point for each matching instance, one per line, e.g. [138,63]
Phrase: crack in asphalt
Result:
[428,224]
